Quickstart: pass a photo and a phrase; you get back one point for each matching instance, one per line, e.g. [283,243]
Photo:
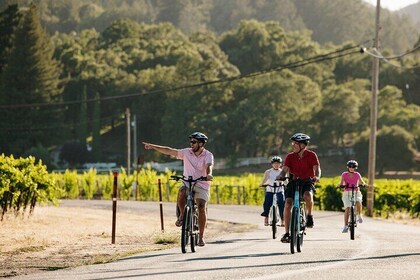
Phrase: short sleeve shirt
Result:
[271,180]
[350,179]
[196,166]
[303,168]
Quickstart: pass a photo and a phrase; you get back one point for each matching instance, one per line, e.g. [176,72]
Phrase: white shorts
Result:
[199,192]
[347,198]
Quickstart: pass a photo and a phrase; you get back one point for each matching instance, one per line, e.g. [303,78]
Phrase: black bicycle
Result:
[189,229]
[352,222]
[274,214]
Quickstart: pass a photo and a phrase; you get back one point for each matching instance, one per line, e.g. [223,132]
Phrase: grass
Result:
[167,238]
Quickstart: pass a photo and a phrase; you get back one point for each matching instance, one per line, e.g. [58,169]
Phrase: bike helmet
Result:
[301,138]
[199,136]
[352,163]
[276,159]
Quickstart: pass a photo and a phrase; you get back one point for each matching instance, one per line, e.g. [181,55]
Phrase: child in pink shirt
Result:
[348,179]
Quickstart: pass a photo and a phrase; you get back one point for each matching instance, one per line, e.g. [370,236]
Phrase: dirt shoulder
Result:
[59,237]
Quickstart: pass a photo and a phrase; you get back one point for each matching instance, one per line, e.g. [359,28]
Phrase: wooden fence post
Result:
[114,207]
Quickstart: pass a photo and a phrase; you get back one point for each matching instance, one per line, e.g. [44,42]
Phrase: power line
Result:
[45,128]
[380,56]
[386,59]
[319,58]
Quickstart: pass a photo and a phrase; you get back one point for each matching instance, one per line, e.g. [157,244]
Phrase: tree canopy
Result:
[248,88]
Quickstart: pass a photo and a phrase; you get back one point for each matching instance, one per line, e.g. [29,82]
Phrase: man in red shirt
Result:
[304,165]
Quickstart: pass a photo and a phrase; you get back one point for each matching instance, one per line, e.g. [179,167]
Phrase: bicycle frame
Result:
[298,219]
[274,214]
[189,229]
[352,222]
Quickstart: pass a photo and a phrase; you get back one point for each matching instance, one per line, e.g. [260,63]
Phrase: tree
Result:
[75,153]
[340,113]
[96,129]
[393,110]
[31,77]
[394,150]
[82,128]
[9,20]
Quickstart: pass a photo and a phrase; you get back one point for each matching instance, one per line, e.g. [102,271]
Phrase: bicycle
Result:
[298,218]
[352,222]
[189,229]
[274,214]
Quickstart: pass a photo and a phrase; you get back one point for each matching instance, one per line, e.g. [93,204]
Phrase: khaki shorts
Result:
[347,198]
[199,192]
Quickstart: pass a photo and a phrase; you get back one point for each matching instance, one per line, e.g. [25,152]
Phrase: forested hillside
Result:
[334,21]
[414,12]
[248,86]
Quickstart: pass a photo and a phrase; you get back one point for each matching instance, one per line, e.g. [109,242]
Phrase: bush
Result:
[24,183]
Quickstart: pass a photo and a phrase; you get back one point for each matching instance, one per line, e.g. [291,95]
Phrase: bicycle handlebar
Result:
[187,179]
[294,179]
[352,186]
[273,186]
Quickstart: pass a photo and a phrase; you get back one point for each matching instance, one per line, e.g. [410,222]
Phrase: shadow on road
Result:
[305,263]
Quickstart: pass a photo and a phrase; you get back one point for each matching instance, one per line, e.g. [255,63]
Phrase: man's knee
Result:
[307,196]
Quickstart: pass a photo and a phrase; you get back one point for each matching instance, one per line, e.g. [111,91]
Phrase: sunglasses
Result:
[193,142]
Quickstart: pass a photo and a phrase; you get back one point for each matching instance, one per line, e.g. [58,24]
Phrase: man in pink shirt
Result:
[198,162]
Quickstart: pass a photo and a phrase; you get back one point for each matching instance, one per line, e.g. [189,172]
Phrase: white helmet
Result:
[301,138]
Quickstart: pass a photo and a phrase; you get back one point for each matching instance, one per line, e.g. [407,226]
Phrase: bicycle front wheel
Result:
[352,222]
[301,233]
[185,229]
[194,232]
[293,229]
[274,221]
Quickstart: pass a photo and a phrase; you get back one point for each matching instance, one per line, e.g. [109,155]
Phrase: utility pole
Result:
[127,120]
[134,125]
[373,118]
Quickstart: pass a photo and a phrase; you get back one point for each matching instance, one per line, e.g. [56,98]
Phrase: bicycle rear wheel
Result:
[352,222]
[293,230]
[185,229]
[274,221]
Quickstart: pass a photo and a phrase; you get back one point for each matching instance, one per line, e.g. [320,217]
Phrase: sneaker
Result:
[345,229]
[285,238]
[360,220]
[310,221]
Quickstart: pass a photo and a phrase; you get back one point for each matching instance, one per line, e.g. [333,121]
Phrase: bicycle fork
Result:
[296,205]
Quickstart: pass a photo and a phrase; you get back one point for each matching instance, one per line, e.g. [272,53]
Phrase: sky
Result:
[393,5]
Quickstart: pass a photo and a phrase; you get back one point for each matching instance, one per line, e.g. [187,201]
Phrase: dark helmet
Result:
[301,138]
[352,163]
[199,136]
[276,159]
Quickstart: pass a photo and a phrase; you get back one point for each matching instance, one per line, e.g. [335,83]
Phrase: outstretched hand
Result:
[147,146]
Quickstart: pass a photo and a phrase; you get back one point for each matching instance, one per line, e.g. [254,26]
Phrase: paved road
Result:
[381,250]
